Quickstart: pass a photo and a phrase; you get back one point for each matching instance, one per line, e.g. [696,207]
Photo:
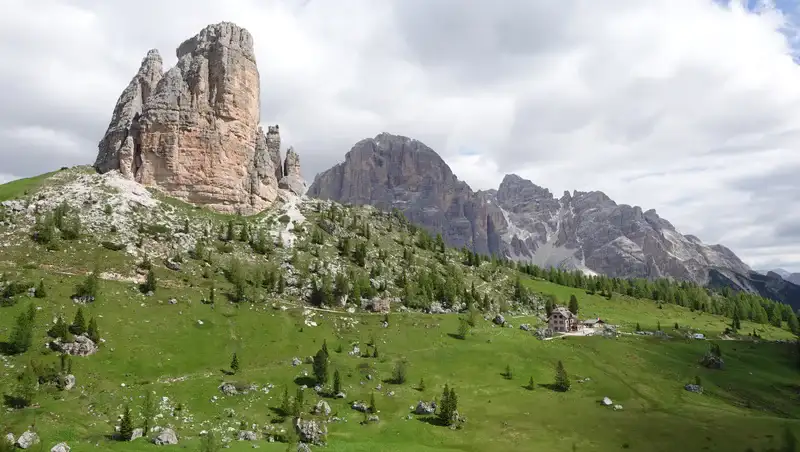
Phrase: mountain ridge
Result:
[522,221]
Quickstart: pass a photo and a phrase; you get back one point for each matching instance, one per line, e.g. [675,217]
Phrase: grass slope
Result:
[179,351]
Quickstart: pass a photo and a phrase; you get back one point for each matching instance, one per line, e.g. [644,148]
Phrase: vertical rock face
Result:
[194,132]
[391,171]
[117,146]
[292,180]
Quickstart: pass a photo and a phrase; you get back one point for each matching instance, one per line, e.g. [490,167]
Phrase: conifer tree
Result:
[337,382]
[573,304]
[22,335]
[148,411]
[530,384]
[508,373]
[28,385]
[41,292]
[325,346]
[150,282]
[126,425]
[375,352]
[320,367]
[562,379]
[59,329]
[421,385]
[92,331]
[286,403]
[297,408]
[78,325]
[372,407]
[235,363]
[209,443]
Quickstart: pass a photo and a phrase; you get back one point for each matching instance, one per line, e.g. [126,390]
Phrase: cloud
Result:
[691,107]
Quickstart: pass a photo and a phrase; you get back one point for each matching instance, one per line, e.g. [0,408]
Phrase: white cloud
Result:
[686,106]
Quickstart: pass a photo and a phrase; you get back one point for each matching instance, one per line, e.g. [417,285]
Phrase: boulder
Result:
[322,408]
[712,361]
[27,440]
[166,437]
[694,388]
[525,327]
[303,447]
[247,435]
[172,265]
[10,438]
[499,319]
[296,362]
[69,382]
[425,408]
[341,395]
[606,401]
[60,447]
[137,433]
[228,389]
[81,346]
[311,431]
[373,419]
[360,406]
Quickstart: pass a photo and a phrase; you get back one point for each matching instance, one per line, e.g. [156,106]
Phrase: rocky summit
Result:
[521,221]
[193,131]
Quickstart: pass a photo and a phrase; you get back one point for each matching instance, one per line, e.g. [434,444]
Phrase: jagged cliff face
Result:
[194,131]
[391,171]
[519,220]
[589,231]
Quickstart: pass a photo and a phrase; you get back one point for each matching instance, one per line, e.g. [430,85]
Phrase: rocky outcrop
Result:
[166,437]
[391,171]
[585,231]
[193,132]
[292,180]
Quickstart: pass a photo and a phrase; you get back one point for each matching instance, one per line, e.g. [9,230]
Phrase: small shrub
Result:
[284,219]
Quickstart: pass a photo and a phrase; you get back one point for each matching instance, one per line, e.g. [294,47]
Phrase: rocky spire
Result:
[292,180]
[116,149]
[194,132]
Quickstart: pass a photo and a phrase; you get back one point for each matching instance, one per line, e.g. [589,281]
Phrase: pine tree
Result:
[337,382]
[28,385]
[92,331]
[78,325]
[372,407]
[148,411]
[399,373]
[677,327]
[463,328]
[375,352]
[573,304]
[229,232]
[22,335]
[508,373]
[41,292]
[186,226]
[736,324]
[235,363]
[530,384]
[320,367]
[562,379]
[59,329]
[126,425]
[448,406]
[150,282]
[209,443]
[421,385]
[244,234]
[658,325]
[286,403]
[297,408]
[638,327]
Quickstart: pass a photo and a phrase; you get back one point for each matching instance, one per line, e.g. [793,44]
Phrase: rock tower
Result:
[193,131]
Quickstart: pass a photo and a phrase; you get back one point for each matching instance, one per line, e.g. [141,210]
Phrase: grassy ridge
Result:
[180,350]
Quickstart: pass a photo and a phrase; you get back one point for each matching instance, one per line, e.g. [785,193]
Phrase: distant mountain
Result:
[793,278]
[587,231]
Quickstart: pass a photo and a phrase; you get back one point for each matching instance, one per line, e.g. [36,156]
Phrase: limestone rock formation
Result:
[580,230]
[292,180]
[193,132]
[391,171]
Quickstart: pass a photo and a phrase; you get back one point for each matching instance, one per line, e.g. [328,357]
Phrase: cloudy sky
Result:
[691,107]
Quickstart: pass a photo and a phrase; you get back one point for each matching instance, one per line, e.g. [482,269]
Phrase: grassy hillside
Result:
[182,351]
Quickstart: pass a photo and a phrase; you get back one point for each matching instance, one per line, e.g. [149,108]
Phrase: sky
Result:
[691,107]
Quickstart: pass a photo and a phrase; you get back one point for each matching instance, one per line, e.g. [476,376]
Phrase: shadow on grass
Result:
[227,372]
[432,420]
[552,387]
[308,381]
[6,348]
[15,402]
[281,415]
[457,336]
